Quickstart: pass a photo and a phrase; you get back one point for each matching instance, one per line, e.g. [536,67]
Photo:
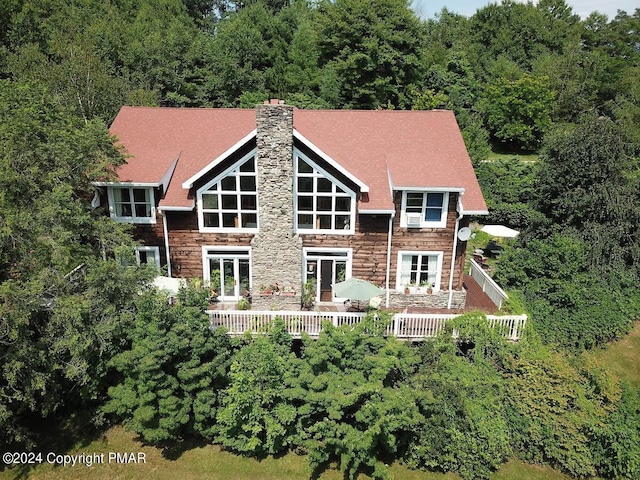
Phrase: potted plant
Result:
[214,284]
[308,294]
[407,289]
[243,304]
[427,286]
[288,291]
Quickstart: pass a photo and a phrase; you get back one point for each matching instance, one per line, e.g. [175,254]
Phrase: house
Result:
[250,198]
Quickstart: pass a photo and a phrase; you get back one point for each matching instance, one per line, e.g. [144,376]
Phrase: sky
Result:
[428,8]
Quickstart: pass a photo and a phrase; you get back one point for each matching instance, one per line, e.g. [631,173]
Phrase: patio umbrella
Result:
[356,289]
[500,231]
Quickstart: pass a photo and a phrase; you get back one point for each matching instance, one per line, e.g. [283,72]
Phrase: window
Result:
[418,268]
[227,271]
[231,200]
[148,256]
[322,203]
[132,204]
[144,255]
[424,209]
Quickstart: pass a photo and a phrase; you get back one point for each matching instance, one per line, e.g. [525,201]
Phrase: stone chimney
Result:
[276,251]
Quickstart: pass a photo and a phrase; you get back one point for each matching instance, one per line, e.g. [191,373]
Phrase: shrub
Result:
[555,406]
[256,416]
[461,394]
[570,303]
[173,370]
[616,443]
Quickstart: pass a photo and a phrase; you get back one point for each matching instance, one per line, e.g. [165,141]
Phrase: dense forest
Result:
[82,337]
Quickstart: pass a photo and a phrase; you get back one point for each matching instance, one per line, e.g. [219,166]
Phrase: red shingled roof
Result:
[155,137]
[420,149]
[416,148]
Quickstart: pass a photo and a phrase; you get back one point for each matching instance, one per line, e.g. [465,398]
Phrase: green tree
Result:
[521,32]
[614,44]
[246,46]
[355,407]
[257,415]
[63,310]
[173,370]
[373,48]
[626,107]
[461,394]
[509,188]
[518,111]
[428,100]
[571,304]
[476,137]
[589,183]
[575,77]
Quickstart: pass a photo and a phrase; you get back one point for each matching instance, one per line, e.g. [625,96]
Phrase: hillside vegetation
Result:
[81,334]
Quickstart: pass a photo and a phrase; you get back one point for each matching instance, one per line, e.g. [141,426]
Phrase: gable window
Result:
[322,203]
[132,204]
[417,269]
[230,201]
[424,209]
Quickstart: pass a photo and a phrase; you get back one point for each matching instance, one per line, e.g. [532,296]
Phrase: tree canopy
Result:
[63,309]
[512,69]
[81,333]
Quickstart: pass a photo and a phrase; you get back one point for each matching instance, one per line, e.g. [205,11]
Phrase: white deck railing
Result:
[488,285]
[409,326]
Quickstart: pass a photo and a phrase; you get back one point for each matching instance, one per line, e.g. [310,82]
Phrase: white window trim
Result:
[320,251]
[442,223]
[147,248]
[439,259]
[201,190]
[206,274]
[350,193]
[132,219]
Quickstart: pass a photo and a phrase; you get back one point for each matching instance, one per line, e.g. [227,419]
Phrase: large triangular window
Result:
[230,201]
[322,203]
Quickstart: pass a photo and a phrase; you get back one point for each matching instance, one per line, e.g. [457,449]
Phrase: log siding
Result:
[368,244]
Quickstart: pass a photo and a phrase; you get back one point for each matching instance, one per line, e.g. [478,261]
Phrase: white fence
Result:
[409,326]
[488,285]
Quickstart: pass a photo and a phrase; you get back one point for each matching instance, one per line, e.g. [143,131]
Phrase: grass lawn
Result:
[197,463]
[213,464]
[623,357]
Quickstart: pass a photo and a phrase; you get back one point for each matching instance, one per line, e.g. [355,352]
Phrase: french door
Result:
[326,267]
[228,272]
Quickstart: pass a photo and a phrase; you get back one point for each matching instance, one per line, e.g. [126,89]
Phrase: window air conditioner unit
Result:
[414,219]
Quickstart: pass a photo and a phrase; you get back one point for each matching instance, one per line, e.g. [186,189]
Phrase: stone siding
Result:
[276,250]
[275,302]
[436,300]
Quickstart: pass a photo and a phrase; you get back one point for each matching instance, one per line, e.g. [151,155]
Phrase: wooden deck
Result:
[477,299]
